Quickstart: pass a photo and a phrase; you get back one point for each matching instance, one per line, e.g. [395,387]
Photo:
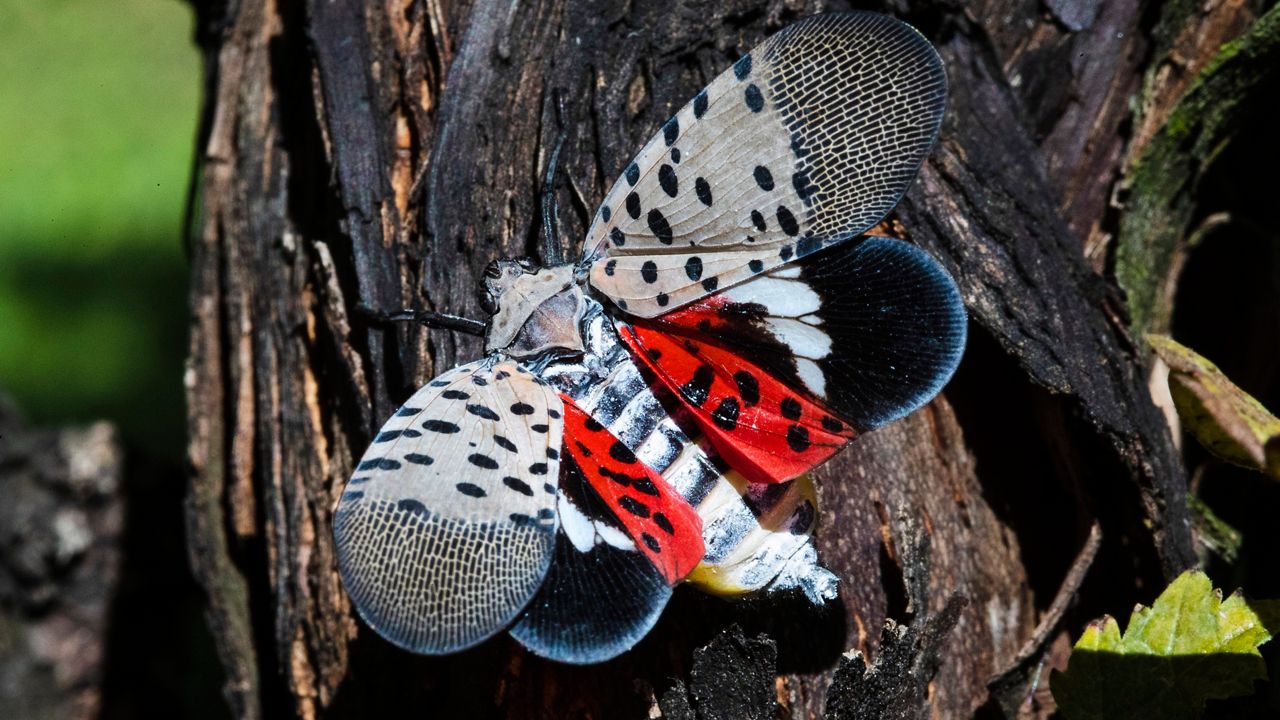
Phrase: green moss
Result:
[1161,185]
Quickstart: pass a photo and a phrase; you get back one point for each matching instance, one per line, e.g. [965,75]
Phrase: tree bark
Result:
[381,154]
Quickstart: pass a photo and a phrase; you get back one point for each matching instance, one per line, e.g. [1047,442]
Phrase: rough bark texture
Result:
[380,154]
[61,528]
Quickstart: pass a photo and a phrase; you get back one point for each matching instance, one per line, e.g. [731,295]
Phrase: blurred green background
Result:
[98,109]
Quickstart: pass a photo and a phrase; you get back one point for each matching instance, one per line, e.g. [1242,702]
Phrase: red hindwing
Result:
[663,526]
[760,426]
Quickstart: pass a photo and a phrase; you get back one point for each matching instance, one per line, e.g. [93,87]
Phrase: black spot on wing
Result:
[742,68]
[790,408]
[470,489]
[504,443]
[697,389]
[763,177]
[748,387]
[671,131]
[633,205]
[661,521]
[538,468]
[482,412]
[703,190]
[700,105]
[758,220]
[649,271]
[755,101]
[440,426]
[726,414]
[407,411]
[633,506]
[378,464]
[518,485]
[667,179]
[617,237]
[798,438]
[454,395]
[787,221]
[418,459]
[633,174]
[482,461]
[522,408]
[659,226]
[693,267]
[710,284]
[621,453]
[650,541]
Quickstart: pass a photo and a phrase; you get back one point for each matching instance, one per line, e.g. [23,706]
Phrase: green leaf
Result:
[1226,420]
[1189,646]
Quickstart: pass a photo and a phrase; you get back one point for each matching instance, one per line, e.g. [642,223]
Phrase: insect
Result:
[648,413]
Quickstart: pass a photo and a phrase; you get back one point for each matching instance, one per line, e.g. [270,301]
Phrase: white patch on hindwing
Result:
[585,533]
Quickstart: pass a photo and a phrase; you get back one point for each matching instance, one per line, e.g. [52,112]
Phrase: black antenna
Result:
[430,319]
[552,253]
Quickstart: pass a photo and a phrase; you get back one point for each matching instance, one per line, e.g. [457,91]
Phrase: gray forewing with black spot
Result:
[804,143]
[447,527]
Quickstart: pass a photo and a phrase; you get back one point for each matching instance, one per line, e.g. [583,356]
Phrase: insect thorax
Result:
[535,309]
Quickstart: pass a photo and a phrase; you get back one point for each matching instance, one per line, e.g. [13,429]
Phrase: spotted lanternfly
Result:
[648,413]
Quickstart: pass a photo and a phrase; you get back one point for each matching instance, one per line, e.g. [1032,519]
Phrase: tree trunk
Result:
[382,154]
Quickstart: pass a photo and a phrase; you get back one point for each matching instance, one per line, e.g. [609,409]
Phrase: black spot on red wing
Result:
[798,438]
[621,453]
[653,353]
[704,326]
[742,68]
[378,464]
[671,131]
[609,267]
[645,485]
[538,468]
[504,443]
[407,411]
[661,521]
[831,424]
[633,506]
[726,414]
[470,489]
[662,299]
[748,387]
[710,284]
[633,174]
[633,205]
[754,99]
[763,177]
[693,267]
[700,105]
[440,426]
[650,541]
[418,459]
[482,461]
[758,220]
[756,266]
[481,411]
[667,179]
[522,408]
[617,237]
[659,226]
[703,189]
[649,272]
[697,389]
[586,452]
[454,395]
[518,485]
[787,221]
[791,408]
[592,424]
